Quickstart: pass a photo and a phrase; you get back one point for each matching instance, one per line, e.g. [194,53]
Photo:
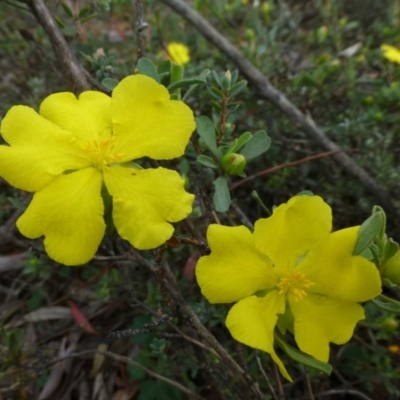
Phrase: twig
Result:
[264,374]
[267,91]
[282,166]
[77,76]
[141,25]
[129,361]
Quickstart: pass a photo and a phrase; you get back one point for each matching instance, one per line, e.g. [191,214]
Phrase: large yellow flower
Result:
[291,272]
[75,146]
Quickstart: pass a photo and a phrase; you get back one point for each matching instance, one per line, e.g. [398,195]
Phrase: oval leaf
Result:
[390,307]
[109,83]
[186,82]
[207,161]
[222,197]
[146,67]
[367,233]
[257,145]
[206,131]
[301,357]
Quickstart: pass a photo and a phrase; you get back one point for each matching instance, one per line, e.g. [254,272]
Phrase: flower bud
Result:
[233,164]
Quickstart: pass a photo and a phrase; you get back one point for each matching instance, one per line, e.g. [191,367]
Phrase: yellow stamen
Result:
[100,152]
[294,283]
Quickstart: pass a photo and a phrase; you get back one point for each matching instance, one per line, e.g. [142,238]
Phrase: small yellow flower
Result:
[178,53]
[391,53]
[291,272]
[76,146]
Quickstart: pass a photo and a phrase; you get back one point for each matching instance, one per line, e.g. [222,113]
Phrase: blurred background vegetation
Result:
[325,56]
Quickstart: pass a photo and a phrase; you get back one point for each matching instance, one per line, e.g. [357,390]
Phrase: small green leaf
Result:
[67,9]
[392,307]
[207,161]
[258,145]
[222,197]
[18,204]
[391,249]
[186,82]
[238,143]
[367,233]
[146,67]
[305,193]
[69,31]
[237,88]
[109,83]
[84,11]
[87,18]
[302,358]
[206,131]
[59,22]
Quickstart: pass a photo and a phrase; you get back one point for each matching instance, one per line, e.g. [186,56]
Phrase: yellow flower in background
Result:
[391,53]
[74,147]
[291,272]
[178,53]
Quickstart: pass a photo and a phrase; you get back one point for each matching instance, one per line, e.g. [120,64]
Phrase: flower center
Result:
[294,283]
[101,152]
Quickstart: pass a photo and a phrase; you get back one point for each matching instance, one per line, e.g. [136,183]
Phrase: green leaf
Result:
[207,161]
[238,143]
[206,131]
[258,145]
[67,9]
[84,11]
[392,307]
[89,17]
[109,83]
[69,31]
[222,197]
[237,88]
[146,67]
[302,358]
[391,249]
[186,82]
[18,204]
[305,193]
[367,233]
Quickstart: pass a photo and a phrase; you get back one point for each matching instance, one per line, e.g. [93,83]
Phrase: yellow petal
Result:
[392,270]
[293,229]
[235,269]
[145,201]
[391,53]
[38,151]
[252,321]
[87,117]
[337,273]
[69,213]
[319,320]
[147,123]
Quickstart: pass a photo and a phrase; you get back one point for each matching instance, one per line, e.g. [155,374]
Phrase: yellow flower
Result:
[291,272]
[391,53]
[178,53]
[75,146]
